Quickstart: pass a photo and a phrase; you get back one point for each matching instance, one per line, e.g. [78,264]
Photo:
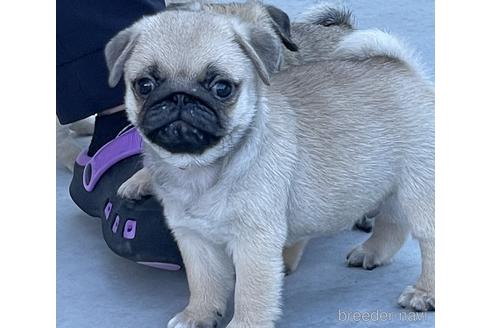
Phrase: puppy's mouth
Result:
[182,123]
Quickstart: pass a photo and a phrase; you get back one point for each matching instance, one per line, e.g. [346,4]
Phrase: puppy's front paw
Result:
[362,257]
[136,187]
[417,299]
[131,189]
[186,319]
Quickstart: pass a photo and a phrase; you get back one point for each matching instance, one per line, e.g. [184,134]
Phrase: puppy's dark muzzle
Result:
[181,123]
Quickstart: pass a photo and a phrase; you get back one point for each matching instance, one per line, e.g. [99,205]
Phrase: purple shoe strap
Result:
[82,159]
[127,144]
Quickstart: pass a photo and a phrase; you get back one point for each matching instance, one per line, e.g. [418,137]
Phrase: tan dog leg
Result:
[418,204]
[421,296]
[210,279]
[259,277]
[389,233]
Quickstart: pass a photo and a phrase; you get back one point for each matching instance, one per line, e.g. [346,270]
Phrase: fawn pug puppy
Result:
[314,39]
[249,164]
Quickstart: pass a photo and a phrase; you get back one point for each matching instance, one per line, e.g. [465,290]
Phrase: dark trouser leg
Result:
[83,29]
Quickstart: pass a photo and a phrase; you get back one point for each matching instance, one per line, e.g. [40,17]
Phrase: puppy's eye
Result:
[222,89]
[145,86]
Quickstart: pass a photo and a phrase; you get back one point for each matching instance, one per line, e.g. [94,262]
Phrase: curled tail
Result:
[365,44]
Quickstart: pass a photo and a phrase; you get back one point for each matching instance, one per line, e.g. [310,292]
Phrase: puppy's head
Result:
[193,81]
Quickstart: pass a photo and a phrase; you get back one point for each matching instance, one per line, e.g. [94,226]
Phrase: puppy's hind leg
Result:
[421,297]
[419,208]
[389,233]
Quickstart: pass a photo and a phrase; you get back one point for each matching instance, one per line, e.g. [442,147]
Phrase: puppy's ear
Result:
[117,52]
[281,25]
[262,48]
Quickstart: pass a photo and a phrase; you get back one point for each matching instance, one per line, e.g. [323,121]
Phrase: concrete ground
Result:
[96,288]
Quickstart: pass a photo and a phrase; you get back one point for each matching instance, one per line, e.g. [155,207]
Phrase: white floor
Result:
[96,288]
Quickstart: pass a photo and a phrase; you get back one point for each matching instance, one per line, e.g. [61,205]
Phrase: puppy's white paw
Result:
[137,186]
[133,190]
[417,299]
[362,257]
[186,319]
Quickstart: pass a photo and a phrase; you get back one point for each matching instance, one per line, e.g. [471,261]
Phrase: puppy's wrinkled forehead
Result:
[184,45]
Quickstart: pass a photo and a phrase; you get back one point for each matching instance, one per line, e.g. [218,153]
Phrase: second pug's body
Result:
[247,178]
[312,40]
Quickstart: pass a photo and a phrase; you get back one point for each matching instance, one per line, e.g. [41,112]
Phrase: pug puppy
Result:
[250,164]
[313,39]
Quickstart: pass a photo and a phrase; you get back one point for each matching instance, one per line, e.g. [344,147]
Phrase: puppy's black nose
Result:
[181,99]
